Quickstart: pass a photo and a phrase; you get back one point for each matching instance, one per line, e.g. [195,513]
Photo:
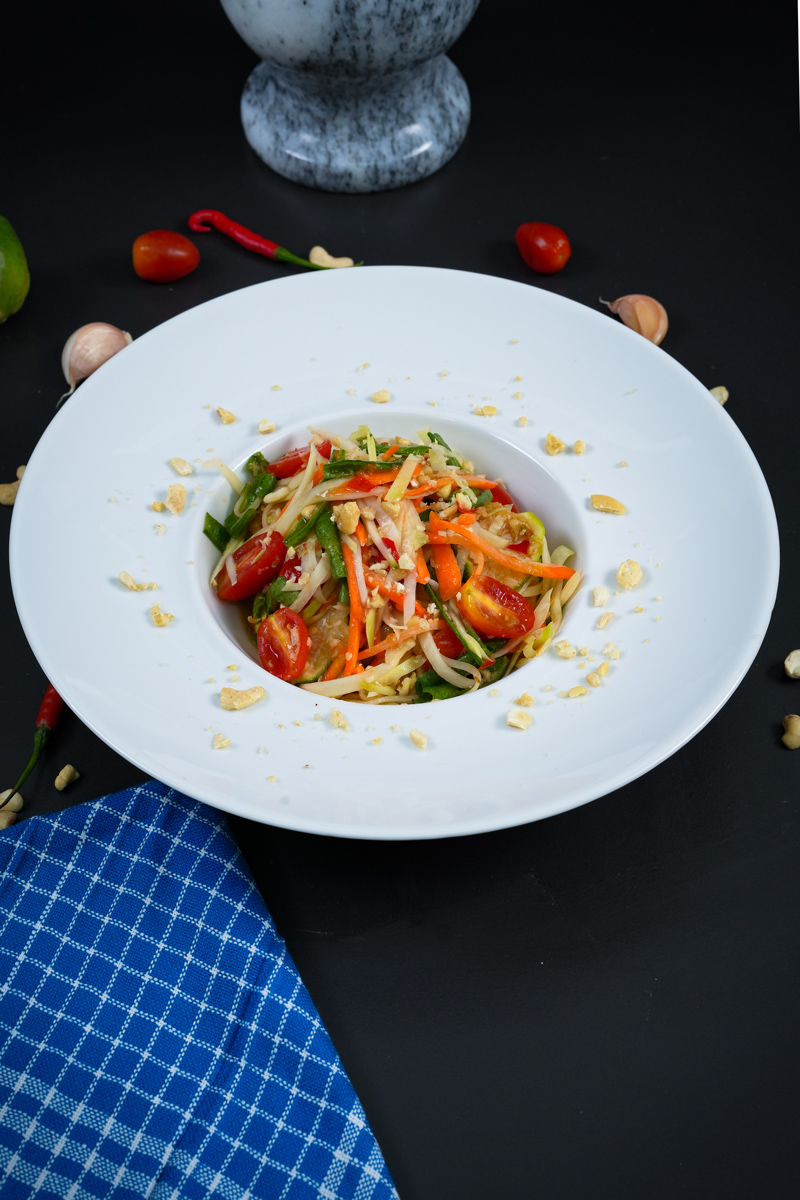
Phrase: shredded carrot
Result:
[402,635]
[476,481]
[441,532]
[423,574]
[385,588]
[356,613]
[317,477]
[467,518]
[361,534]
[389,453]
[424,489]
[376,477]
[446,568]
[335,669]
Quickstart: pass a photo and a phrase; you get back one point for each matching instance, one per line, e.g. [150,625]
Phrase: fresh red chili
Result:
[49,712]
[200,221]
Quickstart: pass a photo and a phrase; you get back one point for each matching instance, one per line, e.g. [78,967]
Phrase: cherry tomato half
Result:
[544,247]
[283,643]
[494,609]
[258,561]
[501,496]
[448,643]
[295,460]
[161,256]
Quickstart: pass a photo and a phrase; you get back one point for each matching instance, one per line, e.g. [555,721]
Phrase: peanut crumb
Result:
[494,692]
[518,719]
[609,646]
[220,742]
[234,699]
[525,700]
[604,619]
[638,608]
[126,579]
[376,741]
[266,426]
[160,618]
[720,393]
[522,421]
[181,466]
[176,498]
[579,447]
[554,445]
[157,506]
[519,395]
[418,738]
[338,720]
[380,397]
[575,692]
[600,596]
[485,410]
[601,670]
[593,678]
[565,649]
[622,463]
[271,779]
[629,573]
[226,416]
[607,504]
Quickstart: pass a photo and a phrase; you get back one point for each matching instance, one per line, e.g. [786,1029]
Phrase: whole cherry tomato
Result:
[544,247]
[161,256]
[283,644]
[258,561]
[295,460]
[494,609]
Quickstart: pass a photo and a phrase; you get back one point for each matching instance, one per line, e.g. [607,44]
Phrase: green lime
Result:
[15,278]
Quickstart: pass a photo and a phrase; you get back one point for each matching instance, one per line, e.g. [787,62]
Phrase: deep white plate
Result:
[311,349]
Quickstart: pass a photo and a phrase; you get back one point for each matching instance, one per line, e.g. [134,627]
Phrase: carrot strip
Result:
[335,669]
[376,477]
[385,457]
[467,518]
[317,477]
[401,636]
[446,568]
[361,534]
[423,574]
[373,580]
[424,489]
[441,532]
[356,613]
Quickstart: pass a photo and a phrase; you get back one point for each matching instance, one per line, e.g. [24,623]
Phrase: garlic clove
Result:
[642,314]
[88,348]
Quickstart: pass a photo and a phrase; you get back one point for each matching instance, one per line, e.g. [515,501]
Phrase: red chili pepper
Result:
[200,221]
[49,712]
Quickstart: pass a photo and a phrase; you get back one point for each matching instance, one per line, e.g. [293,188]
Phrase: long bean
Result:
[328,538]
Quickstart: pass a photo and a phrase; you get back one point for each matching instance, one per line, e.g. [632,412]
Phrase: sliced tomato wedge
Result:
[447,642]
[295,460]
[499,496]
[283,644]
[257,561]
[494,609]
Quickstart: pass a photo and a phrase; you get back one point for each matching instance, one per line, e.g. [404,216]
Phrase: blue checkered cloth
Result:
[156,1039]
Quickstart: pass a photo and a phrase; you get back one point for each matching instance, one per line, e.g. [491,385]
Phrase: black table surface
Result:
[603,1003]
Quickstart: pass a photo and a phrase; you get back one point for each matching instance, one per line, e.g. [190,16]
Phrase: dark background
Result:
[603,1003]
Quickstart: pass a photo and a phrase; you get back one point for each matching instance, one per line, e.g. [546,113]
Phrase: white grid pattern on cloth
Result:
[155,1037]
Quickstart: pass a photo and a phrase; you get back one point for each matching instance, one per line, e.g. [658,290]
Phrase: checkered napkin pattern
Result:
[156,1039]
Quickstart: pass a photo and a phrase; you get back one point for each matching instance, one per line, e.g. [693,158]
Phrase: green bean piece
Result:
[344,592]
[216,532]
[351,466]
[302,529]
[482,498]
[262,486]
[328,537]
[257,464]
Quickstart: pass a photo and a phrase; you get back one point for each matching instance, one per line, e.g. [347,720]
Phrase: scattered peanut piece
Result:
[579,447]
[157,506]
[518,719]
[720,393]
[220,742]
[347,516]
[575,692]
[237,698]
[382,396]
[418,738]
[525,700]
[600,596]
[607,504]
[523,421]
[629,573]
[14,804]
[564,649]
[226,416]
[553,444]
[181,466]
[8,491]
[485,410]
[266,426]
[791,736]
[160,618]
[338,720]
[638,609]
[126,579]
[176,498]
[622,463]
[791,664]
[604,619]
[320,257]
[593,678]
[65,776]
[601,670]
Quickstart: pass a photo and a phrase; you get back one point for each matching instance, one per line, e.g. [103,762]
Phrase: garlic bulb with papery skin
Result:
[642,314]
[88,348]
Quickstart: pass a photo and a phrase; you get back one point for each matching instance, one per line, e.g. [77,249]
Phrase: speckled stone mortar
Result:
[353,95]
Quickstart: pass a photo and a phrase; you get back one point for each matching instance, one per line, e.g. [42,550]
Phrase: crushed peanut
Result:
[418,738]
[485,410]
[720,393]
[791,664]
[579,447]
[609,646]
[600,596]
[220,742]
[523,421]
[338,720]
[382,396]
[593,678]
[265,425]
[320,257]
[574,692]
[518,719]
[601,670]
[629,573]
[236,698]
[607,504]
[525,700]
[226,416]
[181,466]
[176,498]
[65,776]
[553,444]
[160,618]
[638,608]
[160,528]
[126,579]
[157,506]
[564,649]
[604,619]
[347,516]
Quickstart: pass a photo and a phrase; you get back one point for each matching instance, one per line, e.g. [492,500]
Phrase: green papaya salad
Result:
[386,571]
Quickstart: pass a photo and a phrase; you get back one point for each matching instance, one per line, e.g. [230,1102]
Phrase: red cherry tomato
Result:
[258,561]
[283,644]
[501,496]
[448,643]
[544,247]
[295,460]
[494,609]
[161,256]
